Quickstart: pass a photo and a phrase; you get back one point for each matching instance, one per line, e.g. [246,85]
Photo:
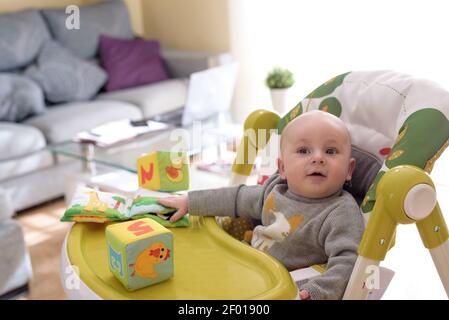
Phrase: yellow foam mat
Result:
[208,264]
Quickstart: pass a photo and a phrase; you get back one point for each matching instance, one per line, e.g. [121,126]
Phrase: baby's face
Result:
[316,155]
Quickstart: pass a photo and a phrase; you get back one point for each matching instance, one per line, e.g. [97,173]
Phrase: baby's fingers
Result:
[304,295]
[178,215]
[168,201]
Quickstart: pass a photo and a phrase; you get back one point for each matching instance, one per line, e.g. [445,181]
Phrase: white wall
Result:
[322,38]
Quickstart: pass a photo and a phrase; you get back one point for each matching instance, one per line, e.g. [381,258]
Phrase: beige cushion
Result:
[155,98]
[63,122]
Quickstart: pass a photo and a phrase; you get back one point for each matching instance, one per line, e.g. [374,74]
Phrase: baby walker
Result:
[399,127]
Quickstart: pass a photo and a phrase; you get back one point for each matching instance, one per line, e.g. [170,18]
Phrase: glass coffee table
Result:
[114,168]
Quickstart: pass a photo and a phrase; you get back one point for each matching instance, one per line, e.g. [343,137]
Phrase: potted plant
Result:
[279,81]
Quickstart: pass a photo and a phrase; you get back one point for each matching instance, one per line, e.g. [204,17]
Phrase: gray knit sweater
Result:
[298,231]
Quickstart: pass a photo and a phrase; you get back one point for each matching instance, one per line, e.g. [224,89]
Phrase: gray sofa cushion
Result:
[18,139]
[20,150]
[182,63]
[155,98]
[109,17]
[21,37]
[19,98]
[15,264]
[6,207]
[64,77]
[63,122]
[25,164]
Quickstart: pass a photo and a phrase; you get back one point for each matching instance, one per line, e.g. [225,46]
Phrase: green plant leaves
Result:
[279,78]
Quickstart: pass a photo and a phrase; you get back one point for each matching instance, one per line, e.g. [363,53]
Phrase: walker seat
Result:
[394,120]
[399,127]
[208,264]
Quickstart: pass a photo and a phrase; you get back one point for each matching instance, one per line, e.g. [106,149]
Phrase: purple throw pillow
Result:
[131,63]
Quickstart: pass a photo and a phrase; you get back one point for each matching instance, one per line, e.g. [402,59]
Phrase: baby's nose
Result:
[318,158]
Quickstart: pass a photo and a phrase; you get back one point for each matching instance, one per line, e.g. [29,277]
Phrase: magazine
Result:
[118,131]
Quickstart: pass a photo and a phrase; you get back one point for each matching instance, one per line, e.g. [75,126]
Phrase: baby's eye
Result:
[303,150]
[331,151]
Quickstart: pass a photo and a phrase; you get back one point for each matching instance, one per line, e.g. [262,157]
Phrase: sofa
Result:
[38,108]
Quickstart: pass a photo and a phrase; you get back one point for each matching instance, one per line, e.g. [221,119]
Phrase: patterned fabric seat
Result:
[394,119]
[399,125]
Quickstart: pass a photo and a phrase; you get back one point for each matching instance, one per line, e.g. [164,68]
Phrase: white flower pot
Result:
[279,98]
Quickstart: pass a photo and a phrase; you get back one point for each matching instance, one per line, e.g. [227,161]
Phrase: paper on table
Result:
[117,131]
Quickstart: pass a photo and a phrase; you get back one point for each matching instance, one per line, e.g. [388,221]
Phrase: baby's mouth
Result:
[316,174]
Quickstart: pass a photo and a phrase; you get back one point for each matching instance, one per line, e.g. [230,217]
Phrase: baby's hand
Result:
[304,295]
[178,202]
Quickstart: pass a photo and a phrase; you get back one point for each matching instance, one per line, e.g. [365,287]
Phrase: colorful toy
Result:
[163,171]
[140,252]
[89,205]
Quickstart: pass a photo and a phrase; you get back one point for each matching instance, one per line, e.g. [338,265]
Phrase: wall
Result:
[9,6]
[135,12]
[134,7]
[192,25]
[323,38]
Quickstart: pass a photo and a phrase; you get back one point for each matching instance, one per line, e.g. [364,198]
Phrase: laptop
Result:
[210,92]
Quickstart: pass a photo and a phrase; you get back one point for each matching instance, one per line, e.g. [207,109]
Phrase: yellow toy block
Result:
[163,171]
[140,252]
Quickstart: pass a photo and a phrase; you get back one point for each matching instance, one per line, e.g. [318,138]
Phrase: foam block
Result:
[163,171]
[140,252]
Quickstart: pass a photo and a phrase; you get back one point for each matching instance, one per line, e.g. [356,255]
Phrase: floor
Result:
[415,278]
[44,234]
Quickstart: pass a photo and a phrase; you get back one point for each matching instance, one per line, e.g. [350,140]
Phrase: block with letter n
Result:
[163,171]
[140,252]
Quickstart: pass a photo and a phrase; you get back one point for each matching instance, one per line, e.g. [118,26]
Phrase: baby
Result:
[307,218]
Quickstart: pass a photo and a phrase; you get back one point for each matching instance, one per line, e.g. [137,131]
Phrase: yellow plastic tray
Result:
[208,264]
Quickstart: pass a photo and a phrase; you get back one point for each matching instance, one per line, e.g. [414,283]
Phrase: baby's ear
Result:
[351,168]
[281,168]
